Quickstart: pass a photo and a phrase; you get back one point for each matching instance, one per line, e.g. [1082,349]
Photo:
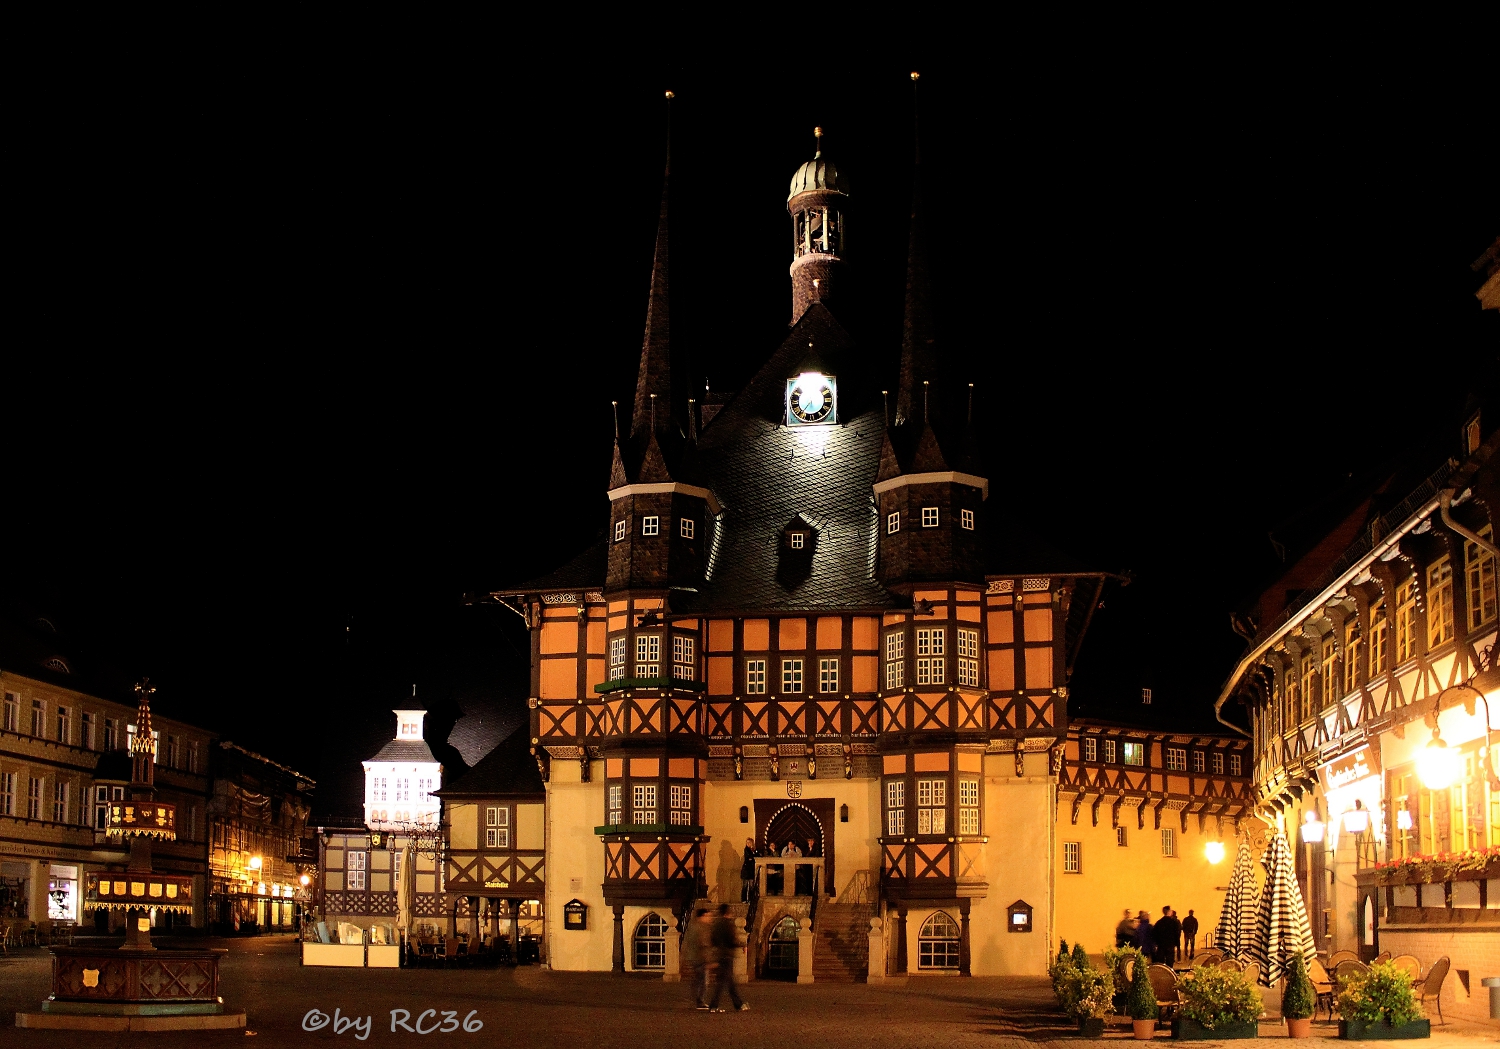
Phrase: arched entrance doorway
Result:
[781,956]
[794,823]
[778,820]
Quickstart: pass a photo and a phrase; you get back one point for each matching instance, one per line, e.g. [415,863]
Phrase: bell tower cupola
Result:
[818,203]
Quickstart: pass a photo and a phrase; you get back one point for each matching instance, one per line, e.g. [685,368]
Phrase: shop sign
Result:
[1348,769]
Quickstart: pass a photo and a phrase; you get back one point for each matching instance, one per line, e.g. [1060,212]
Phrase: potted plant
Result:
[1216,1004]
[1141,1002]
[1059,970]
[1081,957]
[1116,961]
[1381,1003]
[1087,997]
[1298,1001]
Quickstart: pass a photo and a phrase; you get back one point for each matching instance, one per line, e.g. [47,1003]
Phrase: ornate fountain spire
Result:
[143,747]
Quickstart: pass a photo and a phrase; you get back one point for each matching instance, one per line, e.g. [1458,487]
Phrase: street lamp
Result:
[255,863]
[1214,850]
[1437,764]
[1357,819]
[1312,827]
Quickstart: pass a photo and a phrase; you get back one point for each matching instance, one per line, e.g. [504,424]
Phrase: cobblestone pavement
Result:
[534,1007]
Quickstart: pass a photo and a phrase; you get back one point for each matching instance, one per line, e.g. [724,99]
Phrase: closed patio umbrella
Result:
[406,889]
[1229,935]
[1281,927]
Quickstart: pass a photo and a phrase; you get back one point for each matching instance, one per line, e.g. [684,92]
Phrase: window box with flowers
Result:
[1470,865]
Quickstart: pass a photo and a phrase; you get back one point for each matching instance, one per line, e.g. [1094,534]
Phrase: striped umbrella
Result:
[1228,935]
[1281,928]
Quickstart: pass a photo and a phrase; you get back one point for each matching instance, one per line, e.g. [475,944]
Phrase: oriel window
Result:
[616,658]
[968,658]
[930,644]
[791,675]
[682,804]
[968,806]
[643,803]
[932,806]
[755,676]
[1439,602]
[684,663]
[612,805]
[895,807]
[497,826]
[828,675]
[647,655]
[895,659]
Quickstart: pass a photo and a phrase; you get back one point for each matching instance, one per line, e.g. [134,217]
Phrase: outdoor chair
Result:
[1252,973]
[1432,987]
[1346,968]
[1232,963]
[1408,964]
[1383,956]
[1206,959]
[1164,985]
[1323,988]
[1338,957]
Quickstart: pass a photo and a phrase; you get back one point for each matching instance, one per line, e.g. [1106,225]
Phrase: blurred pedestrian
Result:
[1124,930]
[696,952]
[725,942]
[1144,939]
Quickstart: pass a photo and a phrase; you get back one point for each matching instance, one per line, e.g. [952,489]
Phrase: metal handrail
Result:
[860,888]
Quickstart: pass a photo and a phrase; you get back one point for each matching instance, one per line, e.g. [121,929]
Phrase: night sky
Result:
[306,353]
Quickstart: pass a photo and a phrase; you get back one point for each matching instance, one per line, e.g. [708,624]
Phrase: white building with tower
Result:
[401,778]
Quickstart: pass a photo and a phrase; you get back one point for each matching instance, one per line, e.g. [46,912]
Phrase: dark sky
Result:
[308,352]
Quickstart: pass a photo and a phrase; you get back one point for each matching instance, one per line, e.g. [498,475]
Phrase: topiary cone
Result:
[1081,957]
[1140,1001]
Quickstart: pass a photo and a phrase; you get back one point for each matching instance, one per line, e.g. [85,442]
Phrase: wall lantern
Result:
[1214,850]
[1312,827]
[1437,764]
[306,881]
[1357,819]
[255,863]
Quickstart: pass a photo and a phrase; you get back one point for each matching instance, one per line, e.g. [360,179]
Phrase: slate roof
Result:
[405,750]
[585,571]
[509,768]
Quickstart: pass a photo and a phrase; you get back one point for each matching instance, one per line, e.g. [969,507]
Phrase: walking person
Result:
[696,952]
[724,942]
[1125,930]
[1190,933]
[747,872]
[1144,938]
[1168,935]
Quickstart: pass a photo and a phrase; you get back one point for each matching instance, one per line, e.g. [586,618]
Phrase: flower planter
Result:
[1144,1030]
[1361,1031]
[1091,1027]
[1186,1030]
[1299,1028]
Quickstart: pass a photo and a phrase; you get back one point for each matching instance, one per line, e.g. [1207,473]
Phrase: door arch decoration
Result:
[820,813]
[797,822]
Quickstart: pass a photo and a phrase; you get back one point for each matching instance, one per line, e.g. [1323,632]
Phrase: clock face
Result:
[811,398]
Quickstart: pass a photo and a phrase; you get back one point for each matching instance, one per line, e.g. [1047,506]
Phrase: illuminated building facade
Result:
[806,621]
[1367,688]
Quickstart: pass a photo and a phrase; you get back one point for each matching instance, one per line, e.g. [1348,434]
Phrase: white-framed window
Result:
[685,527]
[12,712]
[1439,602]
[755,676]
[966,520]
[893,523]
[1120,837]
[643,803]
[650,524]
[192,755]
[1072,857]
[648,655]
[828,675]
[171,751]
[424,790]
[895,659]
[64,725]
[354,869]
[1168,841]
[651,942]
[681,796]
[617,658]
[101,808]
[1479,564]
[59,802]
[33,798]
[620,526]
[1197,761]
[111,734]
[684,663]
[929,517]
[968,658]
[378,788]
[1234,764]
[968,806]
[1406,621]
[1135,754]
[930,644]
[497,827]
[938,943]
[612,796]
[395,871]
[7,793]
[1090,749]
[1216,763]
[86,723]
[1110,751]
[403,790]
[38,719]
[798,539]
[791,675]
[932,806]
[1176,757]
[895,807]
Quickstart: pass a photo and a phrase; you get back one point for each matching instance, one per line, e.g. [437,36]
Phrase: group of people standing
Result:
[1164,940]
[803,884]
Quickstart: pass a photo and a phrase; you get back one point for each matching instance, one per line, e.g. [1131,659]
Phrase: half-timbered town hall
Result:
[810,622]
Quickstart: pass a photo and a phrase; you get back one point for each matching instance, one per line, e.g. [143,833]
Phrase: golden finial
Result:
[817,142]
[916,76]
[670,96]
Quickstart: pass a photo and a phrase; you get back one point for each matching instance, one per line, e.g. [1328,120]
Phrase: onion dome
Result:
[818,173]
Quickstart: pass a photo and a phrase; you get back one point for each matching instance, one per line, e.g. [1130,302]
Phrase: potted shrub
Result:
[1298,1001]
[1381,1003]
[1216,1004]
[1081,957]
[1141,1002]
[1116,960]
[1087,997]
[1059,970]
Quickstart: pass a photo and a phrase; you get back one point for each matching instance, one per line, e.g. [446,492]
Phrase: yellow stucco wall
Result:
[1137,876]
[575,868]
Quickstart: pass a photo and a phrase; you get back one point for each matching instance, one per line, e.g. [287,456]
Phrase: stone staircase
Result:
[841,942]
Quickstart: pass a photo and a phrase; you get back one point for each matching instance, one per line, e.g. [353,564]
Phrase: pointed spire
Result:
[655,376]
[918,355]
[142,757]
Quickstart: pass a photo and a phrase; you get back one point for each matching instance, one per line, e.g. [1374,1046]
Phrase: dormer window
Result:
[798,540]
[619,530]
[966,520]
[685,527]
[650,525]
[929,517]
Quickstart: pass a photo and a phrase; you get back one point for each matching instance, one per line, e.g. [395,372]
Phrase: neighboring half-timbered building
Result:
[1368,687]
[808,619]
